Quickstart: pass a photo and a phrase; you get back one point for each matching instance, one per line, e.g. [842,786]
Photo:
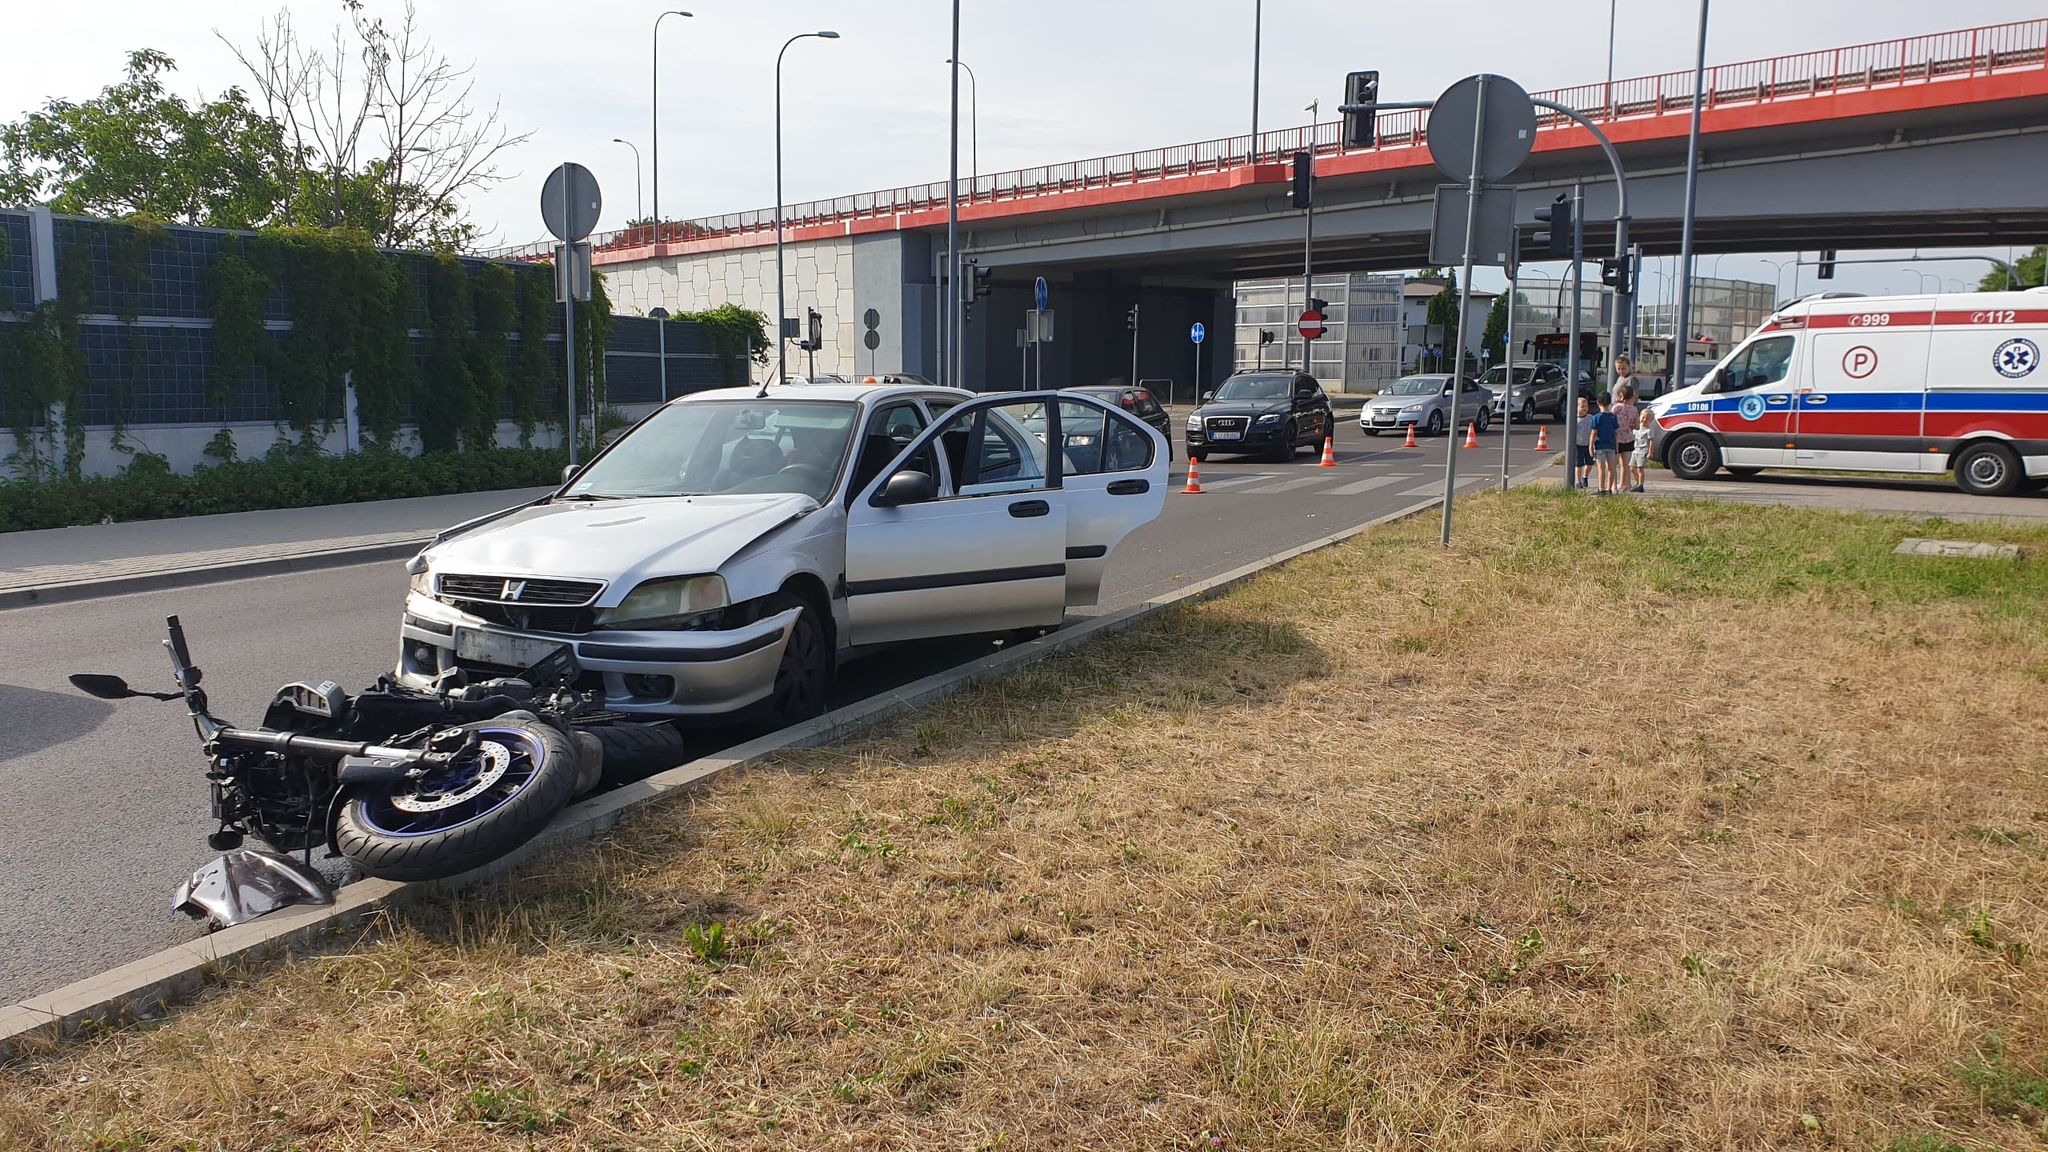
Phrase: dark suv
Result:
[1271,414]
[1138,402]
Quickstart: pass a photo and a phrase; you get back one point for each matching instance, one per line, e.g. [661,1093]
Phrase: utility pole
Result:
[1571,361]
[1692,191]
[1507,360]
[951,312]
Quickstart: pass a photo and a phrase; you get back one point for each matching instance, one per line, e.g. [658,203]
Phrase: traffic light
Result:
[817,328]
[1319,304]
[967,311]
[1614,273]
[1265,336]
[1304,179]
[983,283]
[1558,240]
[1361,93]
[1131,318]
[1827,265]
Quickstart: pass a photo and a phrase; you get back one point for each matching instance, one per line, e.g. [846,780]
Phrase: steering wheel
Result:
[813,478]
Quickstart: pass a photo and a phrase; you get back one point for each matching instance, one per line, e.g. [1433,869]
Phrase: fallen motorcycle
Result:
[402,784]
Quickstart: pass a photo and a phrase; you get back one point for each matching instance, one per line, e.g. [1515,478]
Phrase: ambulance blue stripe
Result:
[2014,401]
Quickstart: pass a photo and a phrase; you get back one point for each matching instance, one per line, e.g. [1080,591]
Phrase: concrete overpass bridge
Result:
[1937,140]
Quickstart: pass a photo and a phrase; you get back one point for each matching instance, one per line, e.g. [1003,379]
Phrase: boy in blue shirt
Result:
[1606,431]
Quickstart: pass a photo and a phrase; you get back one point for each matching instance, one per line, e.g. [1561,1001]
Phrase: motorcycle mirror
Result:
[104,687]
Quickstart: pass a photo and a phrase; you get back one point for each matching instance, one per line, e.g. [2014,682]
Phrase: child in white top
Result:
[1639,456]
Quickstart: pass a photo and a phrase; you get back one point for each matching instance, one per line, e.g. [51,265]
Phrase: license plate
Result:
[505,651]
[1226,435]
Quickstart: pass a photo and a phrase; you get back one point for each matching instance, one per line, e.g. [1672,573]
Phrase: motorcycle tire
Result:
[491,802]
[637,751]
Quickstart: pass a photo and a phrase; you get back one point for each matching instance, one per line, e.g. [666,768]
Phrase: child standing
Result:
[1605,428]
[1582,446]
[1639,458]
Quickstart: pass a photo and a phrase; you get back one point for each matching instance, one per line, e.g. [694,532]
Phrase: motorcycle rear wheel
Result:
[489,802]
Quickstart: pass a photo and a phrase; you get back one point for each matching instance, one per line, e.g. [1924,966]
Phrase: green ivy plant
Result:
[731,331]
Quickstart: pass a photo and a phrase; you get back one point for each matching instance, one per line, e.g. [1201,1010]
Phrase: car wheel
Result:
[1692,456]
[1435,427]
[1528,414]
[1290,443]
[1987,470]
[805,672]
[1197,455]
[1485,419]
[1370,431]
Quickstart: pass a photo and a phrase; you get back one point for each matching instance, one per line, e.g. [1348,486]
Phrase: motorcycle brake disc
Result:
[493,759]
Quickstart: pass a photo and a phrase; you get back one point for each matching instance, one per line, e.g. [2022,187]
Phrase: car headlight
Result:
[1194,420]
[1411,409]
[423,583]
[1271,417]
[666,603]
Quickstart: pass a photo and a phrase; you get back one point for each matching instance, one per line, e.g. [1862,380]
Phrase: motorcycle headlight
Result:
[665,603]
[1271,417]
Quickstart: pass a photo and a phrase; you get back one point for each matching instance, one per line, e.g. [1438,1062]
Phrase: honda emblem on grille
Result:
[514,589]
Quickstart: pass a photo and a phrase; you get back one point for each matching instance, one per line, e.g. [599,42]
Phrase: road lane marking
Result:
[1286,485]
[1365,485]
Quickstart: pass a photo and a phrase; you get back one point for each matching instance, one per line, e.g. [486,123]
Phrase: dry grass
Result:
[1395,848]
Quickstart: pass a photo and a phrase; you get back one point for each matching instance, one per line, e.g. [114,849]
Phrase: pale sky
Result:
[1060,79]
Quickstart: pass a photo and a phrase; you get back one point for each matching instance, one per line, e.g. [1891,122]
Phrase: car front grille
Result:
[560,621]
[1228,423]
[538,592]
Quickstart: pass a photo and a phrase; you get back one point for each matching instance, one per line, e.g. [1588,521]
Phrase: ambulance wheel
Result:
[1692,456]
[1987,469]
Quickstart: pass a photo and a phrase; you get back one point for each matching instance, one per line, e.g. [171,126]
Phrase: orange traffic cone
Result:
[1472,435]
[1329,453]
[1543,437]
[1410,441]
[1194,477]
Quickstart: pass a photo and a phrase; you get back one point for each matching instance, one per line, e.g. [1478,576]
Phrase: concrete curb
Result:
[148,987]
[207,574]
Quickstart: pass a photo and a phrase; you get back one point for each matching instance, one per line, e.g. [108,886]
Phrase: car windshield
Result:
[712,447]
[1418,386]
[1256,388]
[1494,376]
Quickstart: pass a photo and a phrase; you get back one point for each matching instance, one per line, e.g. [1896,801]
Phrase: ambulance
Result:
[1927,384]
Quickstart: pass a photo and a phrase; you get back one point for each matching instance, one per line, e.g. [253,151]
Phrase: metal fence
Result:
[1930,59]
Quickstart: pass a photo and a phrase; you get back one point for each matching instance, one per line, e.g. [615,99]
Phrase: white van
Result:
[1926,384]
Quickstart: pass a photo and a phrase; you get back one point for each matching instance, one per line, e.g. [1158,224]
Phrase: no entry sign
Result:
[1312,325]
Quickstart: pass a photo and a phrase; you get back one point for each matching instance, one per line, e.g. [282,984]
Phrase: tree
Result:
[2029,271]
[138,148]
[1442,315]
[382,126]
[1494,339]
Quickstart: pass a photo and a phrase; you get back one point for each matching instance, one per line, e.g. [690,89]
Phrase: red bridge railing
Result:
[1916,60]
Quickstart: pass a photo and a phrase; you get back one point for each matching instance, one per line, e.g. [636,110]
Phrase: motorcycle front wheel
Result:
[487,801]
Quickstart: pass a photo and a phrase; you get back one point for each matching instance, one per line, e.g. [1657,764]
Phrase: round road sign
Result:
[871,339]
[1196,332]
[1504,140]
[570,218]
[1312,325]
[872,319]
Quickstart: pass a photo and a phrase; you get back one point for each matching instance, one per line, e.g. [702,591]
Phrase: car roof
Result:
[843,393]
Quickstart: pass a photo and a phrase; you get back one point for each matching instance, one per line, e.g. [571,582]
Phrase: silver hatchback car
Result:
[723,556]
[1426,403]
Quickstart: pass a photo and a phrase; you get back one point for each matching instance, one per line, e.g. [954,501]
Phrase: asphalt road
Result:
[106,809]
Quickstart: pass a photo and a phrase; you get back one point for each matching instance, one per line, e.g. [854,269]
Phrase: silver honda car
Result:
[724,555]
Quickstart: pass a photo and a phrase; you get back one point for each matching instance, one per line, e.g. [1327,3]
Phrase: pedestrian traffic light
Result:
[1131,318]
[1304,179]
[1361,94]
[1614,273]
[1558,240]
[1827,265]
[967,311]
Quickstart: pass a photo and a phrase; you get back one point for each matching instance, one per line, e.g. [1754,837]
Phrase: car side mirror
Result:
[1208,396]
[569,472]
[906,487]
[1450,388]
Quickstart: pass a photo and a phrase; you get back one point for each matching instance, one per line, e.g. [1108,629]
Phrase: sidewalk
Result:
[105,559]
[1846,493]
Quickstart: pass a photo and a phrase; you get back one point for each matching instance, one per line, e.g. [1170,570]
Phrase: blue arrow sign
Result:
[1196,332]
[1038,291]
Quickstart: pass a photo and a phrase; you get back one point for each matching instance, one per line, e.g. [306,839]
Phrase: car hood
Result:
[618,541]
[1244,408]
[1398,402]
[1664,403]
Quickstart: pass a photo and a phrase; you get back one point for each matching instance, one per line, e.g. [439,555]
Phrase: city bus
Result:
[1652,360]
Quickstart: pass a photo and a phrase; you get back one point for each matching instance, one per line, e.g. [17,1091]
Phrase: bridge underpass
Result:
[1931,141]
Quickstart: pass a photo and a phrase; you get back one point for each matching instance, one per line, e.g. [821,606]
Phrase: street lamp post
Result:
[1258,27]
[973,127]
[654,108]
[1692,184]
[781,310]
[636,174]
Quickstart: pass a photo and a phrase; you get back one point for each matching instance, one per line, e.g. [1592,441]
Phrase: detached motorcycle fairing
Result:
[244,884]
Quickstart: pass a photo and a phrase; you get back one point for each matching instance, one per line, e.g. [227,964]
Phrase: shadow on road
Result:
[32,719]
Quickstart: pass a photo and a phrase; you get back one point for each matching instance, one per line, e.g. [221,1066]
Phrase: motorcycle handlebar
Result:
[176,642]
[315,745]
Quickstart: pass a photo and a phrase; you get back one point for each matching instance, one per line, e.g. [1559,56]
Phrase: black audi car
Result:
[1270,414]
[1138,402]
